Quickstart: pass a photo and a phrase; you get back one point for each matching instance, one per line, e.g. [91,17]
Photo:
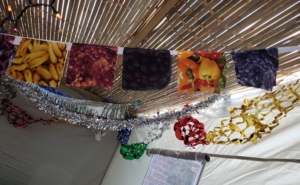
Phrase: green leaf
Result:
[224,72]
[222,82]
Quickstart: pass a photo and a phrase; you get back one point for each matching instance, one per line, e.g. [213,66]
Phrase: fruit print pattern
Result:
[146,69]
[92,65]
[6,50]
[256,68]
[201,71]
[40,62]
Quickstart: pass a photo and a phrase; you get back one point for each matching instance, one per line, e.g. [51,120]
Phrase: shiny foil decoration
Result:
[133,151]
[18,117]
[95,123]
[256,117]
[190,131]
[106,110]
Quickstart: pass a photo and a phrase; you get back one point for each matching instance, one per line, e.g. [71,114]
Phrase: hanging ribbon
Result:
[123,136]
[194,135]
[18,117]
[133,151]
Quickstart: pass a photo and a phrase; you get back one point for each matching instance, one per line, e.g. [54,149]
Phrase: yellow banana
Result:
[11,72]
[36,78]
[59,69]
[40,48]
[29,47]
[52,83]
[19,76]
[28,75]
[23,46]
[17,60]
[65,53]
[61,46]
[61,60]
[18,52]
[43,72]
[45,43]
[52,56]
[34,55]
[55,49]
[38,61]
[36,43]
[42,82]
[53,72]
[19,67]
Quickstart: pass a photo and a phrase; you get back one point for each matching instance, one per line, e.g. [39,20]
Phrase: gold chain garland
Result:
[256,117]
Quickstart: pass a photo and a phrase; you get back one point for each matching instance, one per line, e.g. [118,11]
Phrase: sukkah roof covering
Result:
[223,25]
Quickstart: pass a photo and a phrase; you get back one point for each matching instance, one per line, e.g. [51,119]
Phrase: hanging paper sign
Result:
[201,71]
[256,68]
[92,65]
[39,62]
[6,50]
[146,69]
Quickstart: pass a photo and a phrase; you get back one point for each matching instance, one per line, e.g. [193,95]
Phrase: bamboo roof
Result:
[223,25]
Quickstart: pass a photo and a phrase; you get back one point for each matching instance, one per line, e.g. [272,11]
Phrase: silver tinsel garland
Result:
[102,124]
[107,110]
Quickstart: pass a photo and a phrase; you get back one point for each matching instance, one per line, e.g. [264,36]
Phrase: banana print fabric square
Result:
[146,69]
[6,50]
[40,62]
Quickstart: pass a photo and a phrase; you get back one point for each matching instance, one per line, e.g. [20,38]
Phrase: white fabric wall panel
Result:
[52,154]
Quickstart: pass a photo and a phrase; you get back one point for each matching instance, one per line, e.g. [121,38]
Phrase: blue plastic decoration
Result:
[54,90]
[123,136]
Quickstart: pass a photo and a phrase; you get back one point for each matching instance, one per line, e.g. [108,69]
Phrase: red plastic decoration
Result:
[191,131]
[18,117]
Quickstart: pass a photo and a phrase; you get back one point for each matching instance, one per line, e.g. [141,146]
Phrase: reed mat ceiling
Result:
[166,24]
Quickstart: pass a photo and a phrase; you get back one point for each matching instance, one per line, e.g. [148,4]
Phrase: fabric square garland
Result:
[201,71]
[146,69]
[6,50]
[40,62]
[92,65]
[256,68]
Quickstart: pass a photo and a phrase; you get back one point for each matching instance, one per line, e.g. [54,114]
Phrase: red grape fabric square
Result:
[6,50]
[256,68]
[146,69]
[92,65]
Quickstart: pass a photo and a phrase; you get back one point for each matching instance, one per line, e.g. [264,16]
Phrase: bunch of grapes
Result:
[6,50]
[92,65]
[256,68]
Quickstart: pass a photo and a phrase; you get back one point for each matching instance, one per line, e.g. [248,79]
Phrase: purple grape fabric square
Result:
[6,50]
[256,68]
[146,69]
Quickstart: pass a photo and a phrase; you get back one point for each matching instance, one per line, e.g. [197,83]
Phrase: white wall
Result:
[52,154]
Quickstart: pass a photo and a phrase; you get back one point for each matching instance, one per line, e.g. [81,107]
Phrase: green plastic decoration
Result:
[133,151]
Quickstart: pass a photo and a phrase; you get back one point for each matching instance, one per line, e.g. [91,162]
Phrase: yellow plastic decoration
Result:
[256,117]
